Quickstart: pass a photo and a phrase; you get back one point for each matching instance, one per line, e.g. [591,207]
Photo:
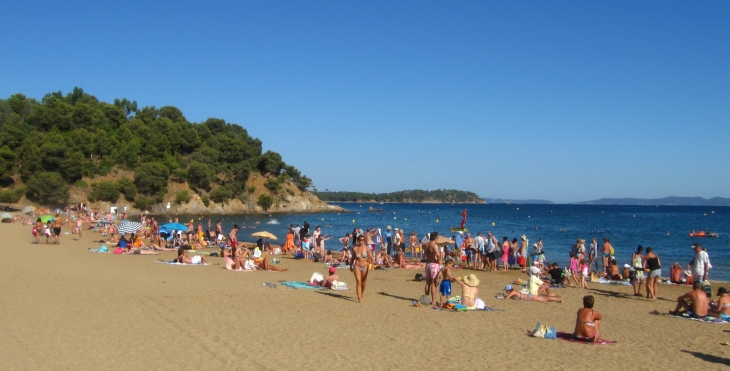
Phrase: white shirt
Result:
[698,269]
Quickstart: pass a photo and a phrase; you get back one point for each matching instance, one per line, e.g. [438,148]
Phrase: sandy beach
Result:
[66,308]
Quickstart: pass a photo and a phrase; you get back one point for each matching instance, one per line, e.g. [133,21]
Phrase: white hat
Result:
[396,229]
[388,227]
[627,266]
[534,270]
[460,232]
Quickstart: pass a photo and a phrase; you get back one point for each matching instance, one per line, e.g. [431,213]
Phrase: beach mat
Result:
[566,336]
[708,319]
[300,285]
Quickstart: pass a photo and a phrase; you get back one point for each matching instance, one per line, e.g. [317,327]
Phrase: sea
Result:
[664,228]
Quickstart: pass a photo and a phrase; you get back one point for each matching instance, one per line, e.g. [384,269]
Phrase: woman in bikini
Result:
[637,261]
[721,306]
[360,261]
[588,322]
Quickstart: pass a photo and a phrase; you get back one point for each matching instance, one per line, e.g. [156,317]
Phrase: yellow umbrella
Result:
[443,241]
[264,234]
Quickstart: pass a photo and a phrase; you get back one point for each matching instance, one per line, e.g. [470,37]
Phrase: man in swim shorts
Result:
[694,303]
[430,249]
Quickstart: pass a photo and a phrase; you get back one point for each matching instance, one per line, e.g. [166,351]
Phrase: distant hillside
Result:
[505,201]
[409,196]
[678,201]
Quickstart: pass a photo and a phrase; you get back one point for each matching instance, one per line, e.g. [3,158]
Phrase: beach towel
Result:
[300,285]
[708,319]
[566,336]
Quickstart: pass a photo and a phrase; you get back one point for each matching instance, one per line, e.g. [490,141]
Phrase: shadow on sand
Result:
[710,358]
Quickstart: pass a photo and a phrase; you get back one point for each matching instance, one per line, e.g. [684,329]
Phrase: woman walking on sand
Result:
[637,261]
[360,263]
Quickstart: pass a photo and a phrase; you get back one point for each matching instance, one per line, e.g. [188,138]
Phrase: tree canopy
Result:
[76,135]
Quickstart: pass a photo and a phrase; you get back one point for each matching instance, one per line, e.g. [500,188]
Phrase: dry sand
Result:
[62,307]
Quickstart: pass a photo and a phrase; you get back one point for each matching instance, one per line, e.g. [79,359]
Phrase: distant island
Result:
[506,201]
[409,196]
[666,201]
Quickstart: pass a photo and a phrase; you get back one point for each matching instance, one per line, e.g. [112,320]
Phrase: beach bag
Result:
[544,332]
[418,277]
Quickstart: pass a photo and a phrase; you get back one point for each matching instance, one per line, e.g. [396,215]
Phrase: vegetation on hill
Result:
[414,196]
[51,144]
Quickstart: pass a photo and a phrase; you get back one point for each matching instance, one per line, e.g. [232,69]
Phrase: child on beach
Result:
[583,273]
[446,278]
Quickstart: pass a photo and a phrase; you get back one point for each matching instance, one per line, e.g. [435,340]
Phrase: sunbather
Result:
[588,322]
[263,263]
[182,257]
[469,291]
[512,293]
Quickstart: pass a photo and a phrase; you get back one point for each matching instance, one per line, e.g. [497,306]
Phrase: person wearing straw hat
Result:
[469,290]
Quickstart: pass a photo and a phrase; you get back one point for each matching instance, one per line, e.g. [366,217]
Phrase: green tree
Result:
[127,187]
[47,187]
[270,163]
[151,178]
[265,201]
[199,176]
[7,166]
[105,191]
[220,195]
[182,197]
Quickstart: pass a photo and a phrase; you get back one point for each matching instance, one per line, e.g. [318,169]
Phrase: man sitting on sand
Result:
[512,293]
[694,303]
[587,322]
[721,307]
[536,285]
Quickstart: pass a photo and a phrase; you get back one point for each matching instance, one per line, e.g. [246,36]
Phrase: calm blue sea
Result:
[665,228]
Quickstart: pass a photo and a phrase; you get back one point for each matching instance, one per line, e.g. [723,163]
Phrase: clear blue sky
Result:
[565,100]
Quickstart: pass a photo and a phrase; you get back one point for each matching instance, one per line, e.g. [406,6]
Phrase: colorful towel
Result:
[300,285]
[708,319]
[566,336]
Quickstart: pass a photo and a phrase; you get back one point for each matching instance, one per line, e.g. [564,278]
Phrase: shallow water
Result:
[558,225]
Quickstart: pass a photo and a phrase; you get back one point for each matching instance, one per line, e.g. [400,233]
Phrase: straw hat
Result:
[580,240]
[471,280]
[523,237]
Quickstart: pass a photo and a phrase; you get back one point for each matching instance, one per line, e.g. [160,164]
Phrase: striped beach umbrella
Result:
[129,227]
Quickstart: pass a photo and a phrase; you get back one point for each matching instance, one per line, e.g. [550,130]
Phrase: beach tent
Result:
[48,218]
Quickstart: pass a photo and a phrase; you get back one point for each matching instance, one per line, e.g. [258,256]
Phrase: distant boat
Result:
[703,234]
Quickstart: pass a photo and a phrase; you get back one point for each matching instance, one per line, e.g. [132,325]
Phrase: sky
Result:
[560,100]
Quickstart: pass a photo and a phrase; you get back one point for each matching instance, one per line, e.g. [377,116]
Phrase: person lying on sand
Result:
[263,263]
[587,322]
[694,303]
[512,293]
[182,257]
[327,281]
[721,307]
[401,262]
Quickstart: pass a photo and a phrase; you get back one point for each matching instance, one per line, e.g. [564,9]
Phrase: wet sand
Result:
[63,307]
